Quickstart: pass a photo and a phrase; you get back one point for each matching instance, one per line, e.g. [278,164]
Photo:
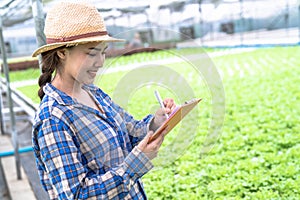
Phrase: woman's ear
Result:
[61,53]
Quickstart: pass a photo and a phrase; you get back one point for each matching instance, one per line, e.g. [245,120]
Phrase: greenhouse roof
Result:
[18,11]
[15,11]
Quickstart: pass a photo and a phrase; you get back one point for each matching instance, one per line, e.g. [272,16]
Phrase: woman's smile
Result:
[92,73]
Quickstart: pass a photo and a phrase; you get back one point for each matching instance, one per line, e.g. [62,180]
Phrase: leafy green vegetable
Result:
[257,155]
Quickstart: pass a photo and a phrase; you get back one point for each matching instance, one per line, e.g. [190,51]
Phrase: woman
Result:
[86,146]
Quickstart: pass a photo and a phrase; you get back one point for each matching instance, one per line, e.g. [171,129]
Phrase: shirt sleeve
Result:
[137,129]
[62,160]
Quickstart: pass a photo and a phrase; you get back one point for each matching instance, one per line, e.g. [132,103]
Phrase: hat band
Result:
[75,37]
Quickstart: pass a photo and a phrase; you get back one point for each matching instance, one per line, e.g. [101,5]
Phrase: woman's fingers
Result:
[151,149]
[143,144]
[168,102]
[159,140]
[170,105]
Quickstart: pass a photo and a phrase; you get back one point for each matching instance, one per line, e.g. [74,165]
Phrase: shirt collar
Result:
[64,99]
[58,95]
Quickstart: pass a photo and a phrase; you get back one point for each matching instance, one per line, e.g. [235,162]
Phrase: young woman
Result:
[86,146]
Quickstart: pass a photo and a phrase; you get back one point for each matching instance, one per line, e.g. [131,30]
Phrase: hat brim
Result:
[48,47]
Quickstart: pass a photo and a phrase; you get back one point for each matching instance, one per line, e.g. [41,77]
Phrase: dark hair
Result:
[50,63]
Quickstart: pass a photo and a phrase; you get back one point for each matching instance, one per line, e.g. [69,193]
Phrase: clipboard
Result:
[175,117]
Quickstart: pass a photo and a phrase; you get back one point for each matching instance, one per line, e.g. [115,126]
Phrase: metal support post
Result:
[242,22]
[299,20]
[201,22]
[10,103]
[38,15]
[1,105]
[286,17]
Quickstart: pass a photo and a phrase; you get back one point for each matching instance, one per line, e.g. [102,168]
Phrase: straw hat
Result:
[70,24]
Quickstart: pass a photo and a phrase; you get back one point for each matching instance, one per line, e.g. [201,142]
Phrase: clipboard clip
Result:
[190,101]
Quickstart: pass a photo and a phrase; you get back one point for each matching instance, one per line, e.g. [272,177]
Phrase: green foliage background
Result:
[258,154]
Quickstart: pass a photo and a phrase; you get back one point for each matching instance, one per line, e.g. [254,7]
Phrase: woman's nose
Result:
[99,59]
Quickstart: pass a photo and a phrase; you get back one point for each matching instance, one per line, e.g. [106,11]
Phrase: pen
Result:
[160,102]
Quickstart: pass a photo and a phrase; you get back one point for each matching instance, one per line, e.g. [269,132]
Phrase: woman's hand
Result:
[160,115]
[151,149]
[170,105]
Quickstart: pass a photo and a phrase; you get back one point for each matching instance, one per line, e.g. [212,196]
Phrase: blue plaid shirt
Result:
[82,153]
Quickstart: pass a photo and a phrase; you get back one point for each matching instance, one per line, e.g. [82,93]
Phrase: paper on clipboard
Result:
[178,114]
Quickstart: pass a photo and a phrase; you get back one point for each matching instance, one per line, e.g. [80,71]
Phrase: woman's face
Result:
[83,61]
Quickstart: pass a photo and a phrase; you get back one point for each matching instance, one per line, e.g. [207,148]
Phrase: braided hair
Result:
[50,63]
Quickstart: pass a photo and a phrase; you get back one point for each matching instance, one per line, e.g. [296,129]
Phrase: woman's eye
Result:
[92,54]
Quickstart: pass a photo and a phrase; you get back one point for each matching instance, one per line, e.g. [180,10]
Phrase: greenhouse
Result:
[241,57]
